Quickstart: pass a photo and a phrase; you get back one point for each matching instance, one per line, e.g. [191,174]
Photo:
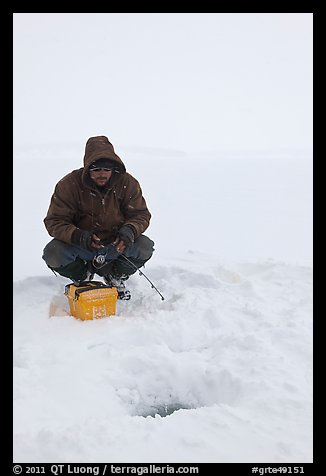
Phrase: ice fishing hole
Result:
[163,409]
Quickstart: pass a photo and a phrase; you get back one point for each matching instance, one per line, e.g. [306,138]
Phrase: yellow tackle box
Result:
[91,300]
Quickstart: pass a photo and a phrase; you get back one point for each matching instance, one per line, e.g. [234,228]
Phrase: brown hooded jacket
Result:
[78,203]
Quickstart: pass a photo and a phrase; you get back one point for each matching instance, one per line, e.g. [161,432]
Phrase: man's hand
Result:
[95,243]
[125,239]
[87,240]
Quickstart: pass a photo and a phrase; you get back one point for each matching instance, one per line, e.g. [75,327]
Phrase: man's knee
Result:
[142,248]
[60,257]
[52,254]
[58,253]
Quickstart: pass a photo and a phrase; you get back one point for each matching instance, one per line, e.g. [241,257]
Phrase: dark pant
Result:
[74,262]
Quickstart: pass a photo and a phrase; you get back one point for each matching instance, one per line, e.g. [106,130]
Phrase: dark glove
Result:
[85,239]
[127,235]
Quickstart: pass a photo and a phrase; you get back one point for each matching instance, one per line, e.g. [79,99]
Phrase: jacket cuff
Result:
[133,229]
[75,237]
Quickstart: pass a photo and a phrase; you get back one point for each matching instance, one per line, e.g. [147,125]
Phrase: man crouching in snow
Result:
[97,216]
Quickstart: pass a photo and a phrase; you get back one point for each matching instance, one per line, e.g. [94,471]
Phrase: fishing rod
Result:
[142,274]
[100,260]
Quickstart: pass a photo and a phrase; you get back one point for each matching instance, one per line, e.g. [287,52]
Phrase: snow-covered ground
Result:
[212,113]
[221,371]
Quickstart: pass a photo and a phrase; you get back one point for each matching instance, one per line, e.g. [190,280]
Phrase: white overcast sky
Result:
[195,82]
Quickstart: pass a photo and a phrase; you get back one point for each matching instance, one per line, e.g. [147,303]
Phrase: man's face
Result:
[100,176]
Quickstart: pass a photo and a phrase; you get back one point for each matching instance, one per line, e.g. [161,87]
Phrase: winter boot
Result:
[118,283]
